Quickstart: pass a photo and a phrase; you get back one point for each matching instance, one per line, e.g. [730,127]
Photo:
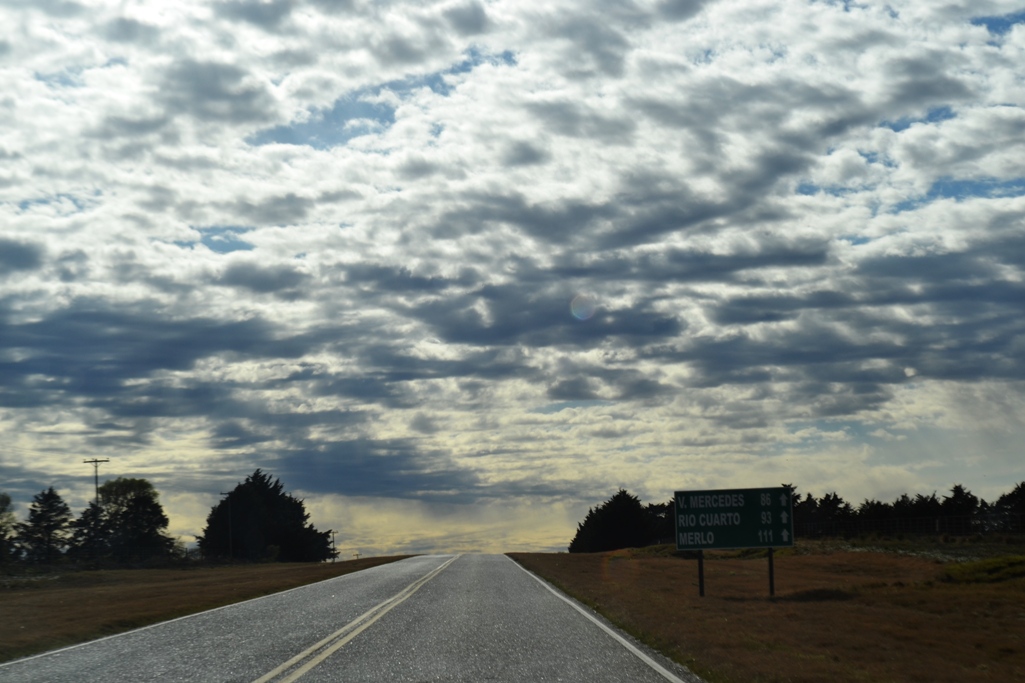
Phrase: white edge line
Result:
[666,673]
[186,616]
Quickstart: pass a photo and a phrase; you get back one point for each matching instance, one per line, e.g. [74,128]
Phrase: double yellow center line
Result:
[307,659]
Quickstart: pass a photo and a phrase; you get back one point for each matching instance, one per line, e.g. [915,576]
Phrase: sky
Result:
[457,271]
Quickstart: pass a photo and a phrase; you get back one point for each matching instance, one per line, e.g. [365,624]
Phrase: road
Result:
[430,618]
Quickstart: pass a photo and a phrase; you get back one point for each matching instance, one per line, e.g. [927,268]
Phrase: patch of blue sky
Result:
[437,81]
[474,58]
[810,189]
[222,239]
[877,158]
[349,118]
[59,199]
[986,187]
[961,189]
[935,115]
[364,111]
[67,78]
[704,57]
[856,240]
[1002,24]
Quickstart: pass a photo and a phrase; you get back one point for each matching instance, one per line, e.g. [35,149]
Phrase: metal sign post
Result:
[701,573]
[734,518]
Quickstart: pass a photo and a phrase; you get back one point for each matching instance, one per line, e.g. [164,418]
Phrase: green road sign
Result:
[734,518]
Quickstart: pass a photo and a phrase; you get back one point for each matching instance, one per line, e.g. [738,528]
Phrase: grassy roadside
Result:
[841,612]
[47,611]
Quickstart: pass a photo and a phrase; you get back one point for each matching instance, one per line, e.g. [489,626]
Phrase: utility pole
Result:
[231,545]
[95,462]
[334,553]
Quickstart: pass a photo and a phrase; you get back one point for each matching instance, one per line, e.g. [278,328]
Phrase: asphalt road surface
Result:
[432,618]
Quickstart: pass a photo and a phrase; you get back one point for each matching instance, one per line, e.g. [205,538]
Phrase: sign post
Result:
[734,518]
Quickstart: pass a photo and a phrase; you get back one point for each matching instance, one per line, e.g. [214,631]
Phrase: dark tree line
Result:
[127,525]
[259,521]
[623,522]
[958,513]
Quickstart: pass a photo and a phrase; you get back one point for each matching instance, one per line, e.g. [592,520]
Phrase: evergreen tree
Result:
[90,535]
[45,534]
[619,522]
[874,516]
[7,526]
[959,510]
[661,518]
[903,510]
[258,521]
[925,513]
[806,515]
[1009,509]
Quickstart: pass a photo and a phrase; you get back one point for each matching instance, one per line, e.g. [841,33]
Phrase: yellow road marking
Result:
[339,638]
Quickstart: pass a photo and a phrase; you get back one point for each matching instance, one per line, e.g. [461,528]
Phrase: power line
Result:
[95,462]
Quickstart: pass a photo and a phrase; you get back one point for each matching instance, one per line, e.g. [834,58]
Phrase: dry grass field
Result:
[948,612]
[839,614]
[45,611]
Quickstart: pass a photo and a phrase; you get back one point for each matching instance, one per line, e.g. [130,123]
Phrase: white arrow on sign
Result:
[782,499]
[786,536]
[784,516]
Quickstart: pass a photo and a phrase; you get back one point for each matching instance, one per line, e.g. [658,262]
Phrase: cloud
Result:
[468,19]
[341,240]
[126,30]
[279,210]
[524,154]
[266,15]
[386,469]
[680,10]
[59,8]
[215,92]
[19,256]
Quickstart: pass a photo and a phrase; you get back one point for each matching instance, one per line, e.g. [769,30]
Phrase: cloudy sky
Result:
[455,271]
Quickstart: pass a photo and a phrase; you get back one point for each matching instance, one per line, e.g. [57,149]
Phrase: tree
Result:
[959,509]
[1009,509]
[925,513]
[45,534]
[835,513]
[661,517]
[7,522]
[619,522]
[90,535]
[874,516]
[130,522]
[806,514]
[258,521]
